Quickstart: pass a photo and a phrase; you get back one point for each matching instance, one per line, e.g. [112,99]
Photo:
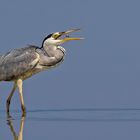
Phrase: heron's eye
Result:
[55,36]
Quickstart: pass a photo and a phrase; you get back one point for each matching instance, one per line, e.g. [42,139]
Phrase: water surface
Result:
[71,123]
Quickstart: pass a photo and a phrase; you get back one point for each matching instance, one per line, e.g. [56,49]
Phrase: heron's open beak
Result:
[67,38]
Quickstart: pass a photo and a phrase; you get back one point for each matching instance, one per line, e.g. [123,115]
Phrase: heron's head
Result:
[57,38]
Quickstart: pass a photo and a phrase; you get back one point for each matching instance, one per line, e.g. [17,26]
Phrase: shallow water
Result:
[72,123]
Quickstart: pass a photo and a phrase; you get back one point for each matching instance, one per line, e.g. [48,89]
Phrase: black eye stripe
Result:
[46,39]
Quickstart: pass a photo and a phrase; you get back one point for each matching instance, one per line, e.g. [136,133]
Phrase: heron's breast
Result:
[34,71]
[38,68]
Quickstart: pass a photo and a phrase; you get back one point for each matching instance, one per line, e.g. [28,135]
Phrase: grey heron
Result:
[20,64]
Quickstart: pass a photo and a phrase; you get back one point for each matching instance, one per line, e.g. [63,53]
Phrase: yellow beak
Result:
[66,39]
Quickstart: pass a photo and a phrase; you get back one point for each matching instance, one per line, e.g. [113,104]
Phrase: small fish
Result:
[67,36]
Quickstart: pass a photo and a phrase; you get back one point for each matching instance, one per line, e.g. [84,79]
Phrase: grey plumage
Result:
[17,62]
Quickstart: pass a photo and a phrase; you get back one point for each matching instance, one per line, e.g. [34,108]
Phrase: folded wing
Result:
[17,62]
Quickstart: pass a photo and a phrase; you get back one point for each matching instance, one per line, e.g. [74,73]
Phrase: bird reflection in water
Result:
[19,135]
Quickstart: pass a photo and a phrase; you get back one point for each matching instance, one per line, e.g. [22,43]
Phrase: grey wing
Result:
[17,62]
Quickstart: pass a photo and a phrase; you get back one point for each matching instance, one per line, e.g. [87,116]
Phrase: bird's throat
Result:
[50,50]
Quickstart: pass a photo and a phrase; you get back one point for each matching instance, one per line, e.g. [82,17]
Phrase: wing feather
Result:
[17,62]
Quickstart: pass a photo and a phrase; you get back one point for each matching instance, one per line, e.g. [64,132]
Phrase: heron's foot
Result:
[23,110]
[8,105]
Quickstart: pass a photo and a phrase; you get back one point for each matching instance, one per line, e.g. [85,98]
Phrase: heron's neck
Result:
[50,50]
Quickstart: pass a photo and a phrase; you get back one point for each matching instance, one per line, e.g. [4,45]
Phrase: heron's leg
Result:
[19,84]
[10,96]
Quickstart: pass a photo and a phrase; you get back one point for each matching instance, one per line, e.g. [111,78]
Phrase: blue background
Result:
[101,71]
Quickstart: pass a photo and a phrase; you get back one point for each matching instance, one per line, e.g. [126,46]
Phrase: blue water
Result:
[72,123]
